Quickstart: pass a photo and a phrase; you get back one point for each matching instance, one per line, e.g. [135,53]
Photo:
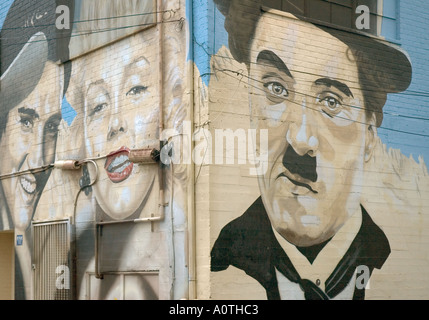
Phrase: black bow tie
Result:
[335,283]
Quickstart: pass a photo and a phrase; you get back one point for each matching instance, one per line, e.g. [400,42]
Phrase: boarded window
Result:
[142,285]
[342,13]
[51,260]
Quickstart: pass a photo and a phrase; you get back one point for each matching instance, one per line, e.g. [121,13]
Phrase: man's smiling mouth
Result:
[28,184]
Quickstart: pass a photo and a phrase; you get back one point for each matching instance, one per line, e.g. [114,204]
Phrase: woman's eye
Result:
[135,91]
[99,107]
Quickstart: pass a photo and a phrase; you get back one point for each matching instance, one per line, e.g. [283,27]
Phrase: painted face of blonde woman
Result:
[121,113]
[305,91]
[29,142]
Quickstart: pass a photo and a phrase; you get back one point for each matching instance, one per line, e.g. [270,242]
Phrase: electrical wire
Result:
[96,32]
[96,19]
[52,165]
[424,94]
[23,172]
[344,104]
[385,128]
[391,171]
[384,112]
[407,92]
[87,32]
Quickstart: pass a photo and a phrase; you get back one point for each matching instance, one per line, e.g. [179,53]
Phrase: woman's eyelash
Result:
[136,90]
[99,107]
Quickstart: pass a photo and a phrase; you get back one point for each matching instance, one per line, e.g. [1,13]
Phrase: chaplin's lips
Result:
[299,169]
[118,165]
[297,180]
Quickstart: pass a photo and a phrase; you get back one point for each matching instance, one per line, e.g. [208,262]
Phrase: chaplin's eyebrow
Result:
[29,112]
[270,58]
[327,82]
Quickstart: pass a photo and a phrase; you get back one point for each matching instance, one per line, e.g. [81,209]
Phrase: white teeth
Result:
[119,160]
[28,186]
[122,168]
[119,163]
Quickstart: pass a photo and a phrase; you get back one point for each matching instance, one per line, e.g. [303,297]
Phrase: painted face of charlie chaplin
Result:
[305,91]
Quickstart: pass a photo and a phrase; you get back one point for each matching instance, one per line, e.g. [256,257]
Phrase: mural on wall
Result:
[331,213]
[95,110]
[319,92]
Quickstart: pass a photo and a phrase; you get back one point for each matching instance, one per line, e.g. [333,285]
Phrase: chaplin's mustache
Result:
[305,165]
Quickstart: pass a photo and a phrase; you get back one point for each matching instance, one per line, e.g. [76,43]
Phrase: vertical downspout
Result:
[161,205]
[191,180]
[161,103]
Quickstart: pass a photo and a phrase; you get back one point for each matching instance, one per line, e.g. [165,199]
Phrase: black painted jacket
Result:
[249,244]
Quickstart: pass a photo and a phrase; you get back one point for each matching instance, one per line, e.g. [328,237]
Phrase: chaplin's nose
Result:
[300,155]
[302,131]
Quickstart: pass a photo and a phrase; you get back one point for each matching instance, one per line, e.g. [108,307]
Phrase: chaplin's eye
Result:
[275,91]
[330,105]
[137,90]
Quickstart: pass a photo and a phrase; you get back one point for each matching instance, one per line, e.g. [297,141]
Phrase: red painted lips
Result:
[118,166]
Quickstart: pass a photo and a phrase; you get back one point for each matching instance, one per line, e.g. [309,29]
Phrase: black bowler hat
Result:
[387,64]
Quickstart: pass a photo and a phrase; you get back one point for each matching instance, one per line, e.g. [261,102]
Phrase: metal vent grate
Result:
[51,260]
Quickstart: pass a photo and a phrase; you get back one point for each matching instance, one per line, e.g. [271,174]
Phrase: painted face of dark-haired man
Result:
[305,90]
[27,142]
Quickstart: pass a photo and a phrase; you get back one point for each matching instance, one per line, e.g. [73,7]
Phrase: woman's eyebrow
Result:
[140,62]
[29,112]
[327,82]
[95,83]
